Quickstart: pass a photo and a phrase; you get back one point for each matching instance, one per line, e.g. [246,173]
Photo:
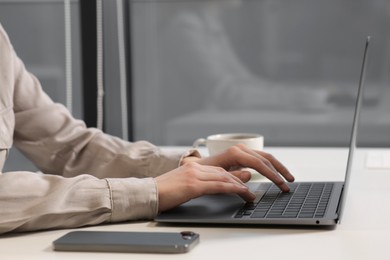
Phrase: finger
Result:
[217,180]
[243,175]
[248,196]
[252,159]
[279,166]
[272,162]
[213,173]
[213,187]
[259,155]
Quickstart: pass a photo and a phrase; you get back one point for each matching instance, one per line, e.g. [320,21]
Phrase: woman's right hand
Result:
[192,180]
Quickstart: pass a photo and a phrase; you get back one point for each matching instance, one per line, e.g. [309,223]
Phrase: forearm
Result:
[59,144]
[31,201]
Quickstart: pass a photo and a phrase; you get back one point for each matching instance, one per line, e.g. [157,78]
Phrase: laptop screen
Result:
[352,145]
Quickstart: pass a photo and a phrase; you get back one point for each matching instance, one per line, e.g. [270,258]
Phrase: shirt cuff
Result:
[167,160]
[190,153]
[132,198]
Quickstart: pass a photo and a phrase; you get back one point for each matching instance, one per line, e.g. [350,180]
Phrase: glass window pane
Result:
[37,32]
[286,69]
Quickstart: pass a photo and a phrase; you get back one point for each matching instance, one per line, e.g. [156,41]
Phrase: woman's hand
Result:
[240,156]
[193,180]
[215,174]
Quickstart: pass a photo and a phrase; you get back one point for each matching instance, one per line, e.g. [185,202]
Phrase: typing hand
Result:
[244,157]
[211,175]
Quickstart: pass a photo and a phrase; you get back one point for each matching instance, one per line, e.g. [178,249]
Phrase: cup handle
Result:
[199,142]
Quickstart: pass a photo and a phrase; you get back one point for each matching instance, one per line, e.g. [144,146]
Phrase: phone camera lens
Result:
[187,235]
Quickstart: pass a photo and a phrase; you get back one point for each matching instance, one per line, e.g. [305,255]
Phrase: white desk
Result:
[360,235]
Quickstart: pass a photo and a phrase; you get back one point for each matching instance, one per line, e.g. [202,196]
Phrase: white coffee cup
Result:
[220,142]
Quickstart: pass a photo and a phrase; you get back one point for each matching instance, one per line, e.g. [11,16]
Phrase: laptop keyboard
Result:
[305,200]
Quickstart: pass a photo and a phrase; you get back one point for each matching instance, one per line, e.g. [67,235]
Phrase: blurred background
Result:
[288,69]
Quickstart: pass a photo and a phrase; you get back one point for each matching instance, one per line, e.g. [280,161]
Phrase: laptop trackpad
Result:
[206,207]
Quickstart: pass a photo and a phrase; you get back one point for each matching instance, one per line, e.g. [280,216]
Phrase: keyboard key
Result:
[305,200]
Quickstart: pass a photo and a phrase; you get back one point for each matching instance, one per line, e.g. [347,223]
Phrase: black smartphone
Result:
[129,242]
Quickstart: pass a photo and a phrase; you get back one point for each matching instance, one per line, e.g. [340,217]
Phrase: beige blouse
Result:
[89,177]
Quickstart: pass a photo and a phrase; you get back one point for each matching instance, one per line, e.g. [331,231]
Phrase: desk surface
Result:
[361,235]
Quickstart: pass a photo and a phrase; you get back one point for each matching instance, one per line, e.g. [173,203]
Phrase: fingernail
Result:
[286,188]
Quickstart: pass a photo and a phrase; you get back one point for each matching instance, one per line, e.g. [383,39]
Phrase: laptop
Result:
[307,203]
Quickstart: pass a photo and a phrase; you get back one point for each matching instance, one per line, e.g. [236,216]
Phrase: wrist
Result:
[190,156]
